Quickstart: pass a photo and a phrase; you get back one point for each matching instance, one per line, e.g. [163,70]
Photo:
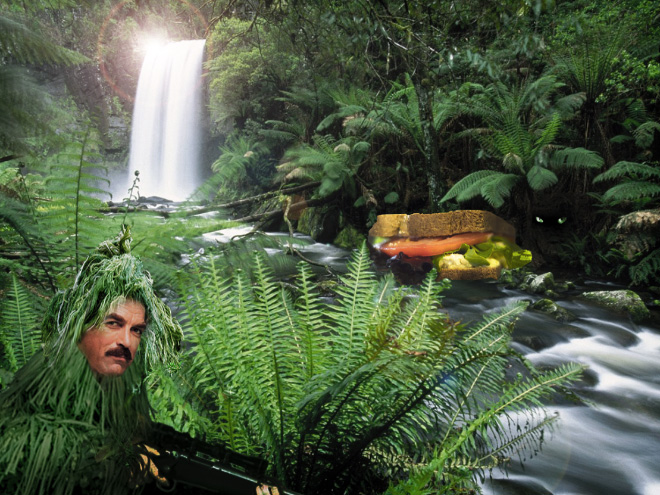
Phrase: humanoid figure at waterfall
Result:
[73,418]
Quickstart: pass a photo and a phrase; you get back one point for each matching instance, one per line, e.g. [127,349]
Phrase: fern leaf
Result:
[644,134]
[496,188]
[540,178]
[647,271]
[549,133]
[19,325]
[468,185]
[576,158]
[631,190]
[630,170]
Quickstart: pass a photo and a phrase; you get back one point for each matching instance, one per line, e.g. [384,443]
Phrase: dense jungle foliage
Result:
[544,112]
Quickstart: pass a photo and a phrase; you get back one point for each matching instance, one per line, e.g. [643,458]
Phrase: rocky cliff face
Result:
[110,115]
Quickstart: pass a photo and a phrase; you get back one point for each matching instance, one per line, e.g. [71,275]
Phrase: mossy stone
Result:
[621,301]
[349,238]
[551,308]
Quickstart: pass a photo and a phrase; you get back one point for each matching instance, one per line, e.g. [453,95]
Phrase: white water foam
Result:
[165,137]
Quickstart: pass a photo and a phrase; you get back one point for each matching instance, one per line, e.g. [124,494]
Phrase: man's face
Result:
[110,348]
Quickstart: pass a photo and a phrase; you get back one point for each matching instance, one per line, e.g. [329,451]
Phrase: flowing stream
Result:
[166,129]
[610,446]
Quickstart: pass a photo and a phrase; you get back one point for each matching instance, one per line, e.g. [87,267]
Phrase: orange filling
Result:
[432,246]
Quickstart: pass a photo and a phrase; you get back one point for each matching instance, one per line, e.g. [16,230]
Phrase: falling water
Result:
[165,139]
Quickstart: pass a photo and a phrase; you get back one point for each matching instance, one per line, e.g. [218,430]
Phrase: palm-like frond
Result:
[638,181]
[540,178]
[26,45]
[26,241]
[239,163]
[630,170]
[20,97]
[645,133]
[576,159]
[647,270]
[631,190]
[332,162]
[492,185]
[587,66]
[286,133]
[469,186]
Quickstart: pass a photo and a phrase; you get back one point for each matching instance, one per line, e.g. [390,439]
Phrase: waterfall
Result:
[165,137]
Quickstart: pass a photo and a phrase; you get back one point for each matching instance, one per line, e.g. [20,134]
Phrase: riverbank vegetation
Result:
[544,112]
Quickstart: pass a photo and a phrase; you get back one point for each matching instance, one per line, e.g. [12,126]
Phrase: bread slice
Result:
[441,224]
[473,273]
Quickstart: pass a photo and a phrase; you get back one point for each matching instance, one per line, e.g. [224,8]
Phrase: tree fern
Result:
[540,178]
[240,164]
[518,142]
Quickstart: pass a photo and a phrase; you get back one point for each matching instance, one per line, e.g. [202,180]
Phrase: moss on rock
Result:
[621,301]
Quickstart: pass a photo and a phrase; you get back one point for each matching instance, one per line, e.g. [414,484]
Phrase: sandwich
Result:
[460,245]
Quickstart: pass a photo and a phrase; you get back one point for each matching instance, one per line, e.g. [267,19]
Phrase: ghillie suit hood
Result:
[61,427]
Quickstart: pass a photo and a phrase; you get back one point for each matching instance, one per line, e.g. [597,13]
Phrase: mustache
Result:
[121,352]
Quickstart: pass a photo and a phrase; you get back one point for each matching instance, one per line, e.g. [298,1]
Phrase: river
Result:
[609,445]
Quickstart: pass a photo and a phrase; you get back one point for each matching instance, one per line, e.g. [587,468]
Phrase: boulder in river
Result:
[539,284]
[551,308]
[621,301]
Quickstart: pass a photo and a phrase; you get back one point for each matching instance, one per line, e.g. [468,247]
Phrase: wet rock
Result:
[620,301]
[320,223]
[542,283]
[349,238]
[507,278]
[551,308]
[519,487]
[565,286]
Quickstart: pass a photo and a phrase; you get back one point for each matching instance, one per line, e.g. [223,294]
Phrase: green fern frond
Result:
[496,188]
[631,190]
[576,158]
[630,170]
[355,289]
[74,183]
[540,178]
[644,134]
[29,237]
[27,45]
[284,132]
[646,272]
[469,185]
[342,113]
[318,387]
[568,105]
[549,133]
[496,322]
[20,334]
